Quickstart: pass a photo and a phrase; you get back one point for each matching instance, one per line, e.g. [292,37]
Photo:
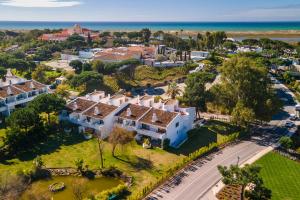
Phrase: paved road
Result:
[199,177]
[196,180]
[289,104]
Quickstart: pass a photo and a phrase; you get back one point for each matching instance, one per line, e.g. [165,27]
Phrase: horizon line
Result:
[192,21]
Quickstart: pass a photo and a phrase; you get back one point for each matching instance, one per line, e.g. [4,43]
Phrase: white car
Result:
[293,117]
[289,124]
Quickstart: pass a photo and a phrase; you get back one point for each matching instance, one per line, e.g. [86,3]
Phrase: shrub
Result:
[118,191]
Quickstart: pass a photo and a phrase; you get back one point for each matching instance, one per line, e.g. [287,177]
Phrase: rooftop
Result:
[80,105]
[10,90]
[100,110]
[29,86]
[163,118]
[133,112]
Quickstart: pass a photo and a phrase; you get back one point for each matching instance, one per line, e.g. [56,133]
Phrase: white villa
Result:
[17,92]
[158,121]
[199,55]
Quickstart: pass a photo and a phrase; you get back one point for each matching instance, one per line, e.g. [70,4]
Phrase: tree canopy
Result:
[243,177]
[245,83]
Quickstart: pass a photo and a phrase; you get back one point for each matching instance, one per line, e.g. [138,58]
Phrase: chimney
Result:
[163,107]
[75,106]
[9,92]
[138,100]
[128,112]
[31,85]
[154,118]
[96,111]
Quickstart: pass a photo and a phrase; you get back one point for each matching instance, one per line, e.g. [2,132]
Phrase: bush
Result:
[170,172]
[118,191]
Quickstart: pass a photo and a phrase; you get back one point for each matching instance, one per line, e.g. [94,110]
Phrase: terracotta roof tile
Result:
[14,91]
[80,105]
[103,110]
[26,86]
[163,117]
[136,112]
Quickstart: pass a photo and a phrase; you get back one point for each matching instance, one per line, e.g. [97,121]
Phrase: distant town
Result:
[89,114]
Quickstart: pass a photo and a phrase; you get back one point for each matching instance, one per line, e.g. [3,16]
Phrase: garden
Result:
[145,166]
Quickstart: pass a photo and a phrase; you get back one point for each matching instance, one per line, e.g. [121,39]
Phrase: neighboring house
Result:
[17,93]
[247,49]
[66,33]
[118,54]
[158,121]
[199,55]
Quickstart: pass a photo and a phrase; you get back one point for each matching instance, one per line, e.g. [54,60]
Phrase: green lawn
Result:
[61,150]
[212,132]
[2,134]
[281,175]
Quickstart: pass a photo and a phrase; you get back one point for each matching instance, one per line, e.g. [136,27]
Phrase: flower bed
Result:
[232,192]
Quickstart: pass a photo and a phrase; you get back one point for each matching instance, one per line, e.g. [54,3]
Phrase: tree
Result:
[23,119]
[241,176]
[173,90]
[62,91]
[86,67]
[47,103]
[246,80]
[173,57]
[119,136]
[100,148]
[79,164]
[195,93]
[98,66]
[146,34]
[160,58]
[89,79]
[39,74]
[259,192]
[286,142]
[229,46]
[3,72]
[242,115]
[76,41]
[76,65]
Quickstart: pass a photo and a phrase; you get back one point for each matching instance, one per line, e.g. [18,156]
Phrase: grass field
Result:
[61,150]
[213,132]
[281,175]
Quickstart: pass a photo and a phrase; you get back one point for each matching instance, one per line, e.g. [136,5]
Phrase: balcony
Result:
[128,125]
[151,133]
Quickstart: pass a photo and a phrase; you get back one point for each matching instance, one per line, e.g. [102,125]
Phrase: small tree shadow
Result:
[142,164]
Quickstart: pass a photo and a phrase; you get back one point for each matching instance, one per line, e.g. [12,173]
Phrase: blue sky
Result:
[150,10]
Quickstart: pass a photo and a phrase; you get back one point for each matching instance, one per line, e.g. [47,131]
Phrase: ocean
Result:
[187,26]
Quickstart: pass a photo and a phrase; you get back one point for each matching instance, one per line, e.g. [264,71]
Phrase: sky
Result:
[150,10]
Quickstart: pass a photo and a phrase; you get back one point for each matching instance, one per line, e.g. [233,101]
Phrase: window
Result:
[177,124]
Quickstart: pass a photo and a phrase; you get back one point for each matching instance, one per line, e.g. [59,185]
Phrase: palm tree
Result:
[173,90]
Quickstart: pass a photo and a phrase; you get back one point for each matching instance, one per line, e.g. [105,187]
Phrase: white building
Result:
[199,55]
[158,121]
[247,49]
[16,92]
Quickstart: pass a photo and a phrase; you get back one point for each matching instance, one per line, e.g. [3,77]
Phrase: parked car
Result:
[289,124]
[293,117]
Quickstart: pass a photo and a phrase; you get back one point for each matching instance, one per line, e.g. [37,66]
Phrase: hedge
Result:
[193,156]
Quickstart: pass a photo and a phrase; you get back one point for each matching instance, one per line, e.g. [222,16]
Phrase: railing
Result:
[150,133]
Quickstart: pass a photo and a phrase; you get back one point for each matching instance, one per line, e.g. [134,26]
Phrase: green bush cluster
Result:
[118,191]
